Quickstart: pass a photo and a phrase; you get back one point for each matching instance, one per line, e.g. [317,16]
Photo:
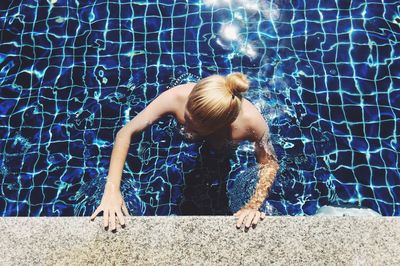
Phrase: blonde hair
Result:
[216,100]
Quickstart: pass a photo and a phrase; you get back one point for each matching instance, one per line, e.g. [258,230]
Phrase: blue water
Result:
[325,75]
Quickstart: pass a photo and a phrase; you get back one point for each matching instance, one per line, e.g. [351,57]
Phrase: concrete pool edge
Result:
[194,240]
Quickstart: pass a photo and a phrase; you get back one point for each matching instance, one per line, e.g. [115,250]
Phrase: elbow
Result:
[123,133]
[270,163]
[274,162]
[275,165]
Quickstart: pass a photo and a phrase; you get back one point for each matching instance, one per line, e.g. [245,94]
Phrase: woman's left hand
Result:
[252,215]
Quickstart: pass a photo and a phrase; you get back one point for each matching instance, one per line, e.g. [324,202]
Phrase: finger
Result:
[99,209]
[125,209]
[120,217]
[257,218]
[112,217]
[262,215]
[105,221]
[240,220]
[249,219]
[237,213]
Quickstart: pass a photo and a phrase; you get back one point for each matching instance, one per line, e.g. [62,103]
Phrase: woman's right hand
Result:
[111,203]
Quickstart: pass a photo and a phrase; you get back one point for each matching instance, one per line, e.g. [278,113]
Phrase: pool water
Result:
[324,74]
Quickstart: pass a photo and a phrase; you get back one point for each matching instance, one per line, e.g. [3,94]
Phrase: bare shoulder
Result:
[254,122]
[168,102]
[258,132]
[183,90]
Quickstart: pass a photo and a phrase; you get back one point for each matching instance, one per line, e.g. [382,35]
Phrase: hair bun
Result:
[237,82]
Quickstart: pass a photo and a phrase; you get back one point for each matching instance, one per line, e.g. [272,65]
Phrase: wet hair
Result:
[215,101]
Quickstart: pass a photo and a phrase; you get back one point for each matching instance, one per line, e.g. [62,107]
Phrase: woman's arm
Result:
[112,201]
[166,103]
[266,157]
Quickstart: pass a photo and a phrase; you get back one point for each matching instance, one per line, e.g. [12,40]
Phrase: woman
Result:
[213,109]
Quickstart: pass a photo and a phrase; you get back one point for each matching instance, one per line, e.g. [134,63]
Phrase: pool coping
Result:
[201,240]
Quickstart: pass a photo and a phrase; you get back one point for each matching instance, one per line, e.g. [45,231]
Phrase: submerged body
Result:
[239,121]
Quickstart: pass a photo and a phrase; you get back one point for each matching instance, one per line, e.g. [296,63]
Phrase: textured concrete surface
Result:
[201,240]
